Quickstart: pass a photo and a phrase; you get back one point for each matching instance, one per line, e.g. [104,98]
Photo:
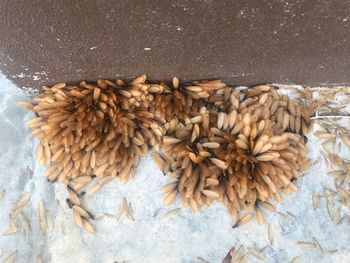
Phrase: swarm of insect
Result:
[244,149]
[238,147]
[187,156]
[91,130]
[178,100]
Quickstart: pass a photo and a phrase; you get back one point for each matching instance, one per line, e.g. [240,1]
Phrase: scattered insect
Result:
[271,233]
[42,218]
[318,245]
[316,201]
[172,213]
[295,260]
[201,260]
[22,202]
[12,257]
[244,220]
[259,215]
[256,253]
[306,244]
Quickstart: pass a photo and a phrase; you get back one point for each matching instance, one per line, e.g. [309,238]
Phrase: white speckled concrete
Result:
[181,239]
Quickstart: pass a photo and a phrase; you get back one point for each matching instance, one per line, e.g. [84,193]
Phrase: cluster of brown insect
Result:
[242,147]
[216,142]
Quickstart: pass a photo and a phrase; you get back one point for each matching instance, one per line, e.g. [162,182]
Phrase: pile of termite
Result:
[241,147]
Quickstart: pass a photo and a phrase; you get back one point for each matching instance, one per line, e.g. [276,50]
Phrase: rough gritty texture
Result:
[242,42]
[182,239]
